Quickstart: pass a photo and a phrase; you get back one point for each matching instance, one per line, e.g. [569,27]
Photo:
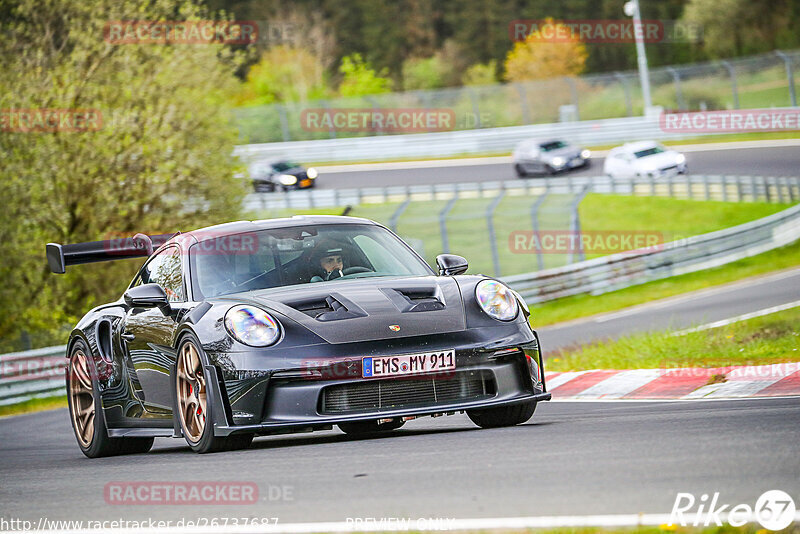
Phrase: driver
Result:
[327,261]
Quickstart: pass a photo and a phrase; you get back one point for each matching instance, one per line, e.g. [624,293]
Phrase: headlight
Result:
[558,161]
[252,326]
[586,154]
[681,159]
[496,300]
[287,179]
[312,173]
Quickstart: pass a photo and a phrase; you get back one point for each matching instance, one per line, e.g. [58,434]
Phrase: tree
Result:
[480,74]
[538,58]
[359,78]
[284,74]
[424,73]
[737,27]
[160,161]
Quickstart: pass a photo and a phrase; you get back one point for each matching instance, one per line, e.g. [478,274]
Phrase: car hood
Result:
[369,309]
[568,152]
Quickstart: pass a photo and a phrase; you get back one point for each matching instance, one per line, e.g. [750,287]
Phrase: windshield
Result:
[299,255]
[649,151]
[284,166]
[552,145]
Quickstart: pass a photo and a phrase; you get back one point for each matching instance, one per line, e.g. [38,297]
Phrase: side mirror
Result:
[450,264]
[147,296]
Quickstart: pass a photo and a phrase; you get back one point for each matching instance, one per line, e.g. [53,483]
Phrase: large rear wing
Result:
[140,245]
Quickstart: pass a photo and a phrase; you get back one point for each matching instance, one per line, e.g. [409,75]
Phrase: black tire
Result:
[367,427]
[204,440]
[520,170]
[97,445]
[502,415]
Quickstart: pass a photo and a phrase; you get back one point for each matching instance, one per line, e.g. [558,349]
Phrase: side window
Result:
[164,269]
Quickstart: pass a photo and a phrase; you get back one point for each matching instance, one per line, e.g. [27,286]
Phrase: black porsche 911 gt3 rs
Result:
[291,325]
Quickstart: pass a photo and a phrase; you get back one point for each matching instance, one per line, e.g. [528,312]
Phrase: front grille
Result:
[394,393]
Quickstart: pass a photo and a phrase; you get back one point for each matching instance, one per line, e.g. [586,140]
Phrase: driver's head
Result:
[331,262]
[328,257]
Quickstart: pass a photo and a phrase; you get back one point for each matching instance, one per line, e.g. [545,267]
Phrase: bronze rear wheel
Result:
[191,383]
[81,397]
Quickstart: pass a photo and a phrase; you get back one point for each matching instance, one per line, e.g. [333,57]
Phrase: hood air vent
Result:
[330,308]
[416,299]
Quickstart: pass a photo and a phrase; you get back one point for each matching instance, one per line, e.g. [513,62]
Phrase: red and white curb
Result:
[776,380]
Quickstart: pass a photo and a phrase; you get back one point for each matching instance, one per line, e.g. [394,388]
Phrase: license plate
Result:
[305,183]
[575,162]
[408,364]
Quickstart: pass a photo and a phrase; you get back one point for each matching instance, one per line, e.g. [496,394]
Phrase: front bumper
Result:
[317,396]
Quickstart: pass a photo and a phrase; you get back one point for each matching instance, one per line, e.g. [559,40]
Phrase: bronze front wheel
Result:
[194,405]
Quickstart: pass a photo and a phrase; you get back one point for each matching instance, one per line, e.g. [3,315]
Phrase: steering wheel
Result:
[355,269]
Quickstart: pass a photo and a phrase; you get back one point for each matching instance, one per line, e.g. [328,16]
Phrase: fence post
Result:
[331,130]
[575,224]
[627,89]
[779,187]
[573,90]
[689,192]
[738,189]
[375,105]
[397,213]
[753,188]
[492,236]
[476,110]
[734,88]
[443,223]
[706,187]
[724,180]
[535,225]
[670,189]
[789,76]
[676,78]
[523,103]
[791,188]
[287,136]
[767,193]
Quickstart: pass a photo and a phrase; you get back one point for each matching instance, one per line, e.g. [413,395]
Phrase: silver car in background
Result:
[549,156]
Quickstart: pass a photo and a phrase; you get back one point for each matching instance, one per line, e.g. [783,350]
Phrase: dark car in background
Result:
[281,175]
[548,156]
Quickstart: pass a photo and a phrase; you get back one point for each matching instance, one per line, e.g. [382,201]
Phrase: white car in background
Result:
[644,159]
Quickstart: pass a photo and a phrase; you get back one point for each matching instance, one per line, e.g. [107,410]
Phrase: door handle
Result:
[128,337]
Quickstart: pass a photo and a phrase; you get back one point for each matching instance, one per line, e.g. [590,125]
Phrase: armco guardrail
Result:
[33,373]
[444,144]
[40,372]
[627,269]
[702,187]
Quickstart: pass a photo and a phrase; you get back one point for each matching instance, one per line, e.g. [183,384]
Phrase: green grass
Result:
[469,235]
[764,340]
[579,306]
[34,405]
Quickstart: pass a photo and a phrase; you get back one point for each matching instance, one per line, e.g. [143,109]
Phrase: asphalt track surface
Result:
[572,458]
[762,161]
